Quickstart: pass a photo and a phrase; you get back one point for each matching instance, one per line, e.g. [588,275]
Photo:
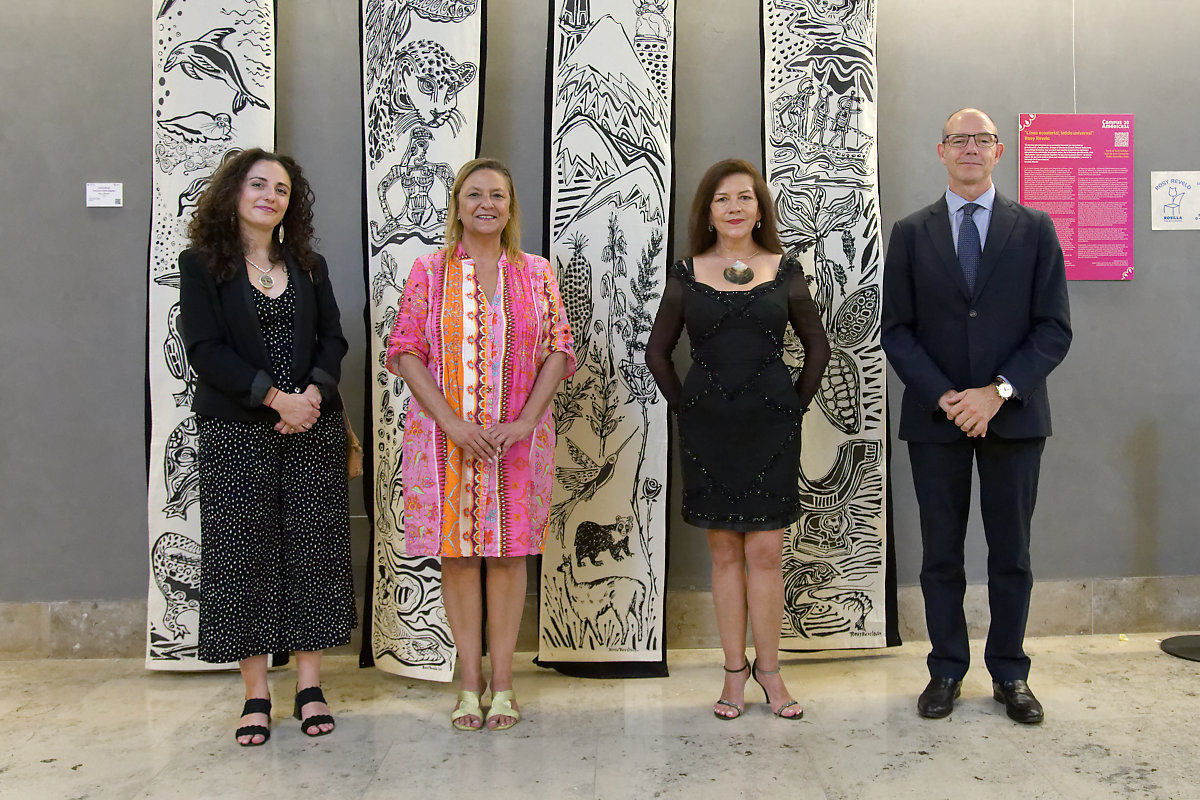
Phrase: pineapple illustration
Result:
[575,283]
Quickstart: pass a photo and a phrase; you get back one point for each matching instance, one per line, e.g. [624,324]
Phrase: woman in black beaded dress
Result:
[263,335]
[739,412]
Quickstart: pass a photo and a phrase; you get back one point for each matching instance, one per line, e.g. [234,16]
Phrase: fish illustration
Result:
[199,126]
[206,57]
[190,197]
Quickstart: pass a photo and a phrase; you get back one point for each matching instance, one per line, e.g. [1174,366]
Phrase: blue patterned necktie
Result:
[969,251]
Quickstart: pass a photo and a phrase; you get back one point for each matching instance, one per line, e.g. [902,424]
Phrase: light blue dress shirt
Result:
[982,217]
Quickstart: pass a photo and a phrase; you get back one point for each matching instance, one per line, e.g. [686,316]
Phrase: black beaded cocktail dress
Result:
[738,410]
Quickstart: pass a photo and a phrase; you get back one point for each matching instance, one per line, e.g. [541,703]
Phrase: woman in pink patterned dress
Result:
[482,341]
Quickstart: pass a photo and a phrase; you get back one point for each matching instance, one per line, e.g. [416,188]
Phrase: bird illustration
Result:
[207,57]
[199,126]
[582,482]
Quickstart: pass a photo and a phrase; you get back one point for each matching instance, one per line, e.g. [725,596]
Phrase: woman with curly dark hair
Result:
[264,337]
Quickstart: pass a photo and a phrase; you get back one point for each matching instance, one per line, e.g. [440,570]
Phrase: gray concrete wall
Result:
[1117,497]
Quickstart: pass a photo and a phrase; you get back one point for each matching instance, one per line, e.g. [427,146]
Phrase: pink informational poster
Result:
[1079,169]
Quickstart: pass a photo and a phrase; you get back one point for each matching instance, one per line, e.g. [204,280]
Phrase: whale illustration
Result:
[206,57]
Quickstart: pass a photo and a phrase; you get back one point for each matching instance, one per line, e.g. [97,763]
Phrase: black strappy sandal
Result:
[312,694]
[754,673]
[255,705]
[726,703]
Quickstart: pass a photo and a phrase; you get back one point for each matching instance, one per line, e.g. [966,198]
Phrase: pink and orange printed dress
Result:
[484,354]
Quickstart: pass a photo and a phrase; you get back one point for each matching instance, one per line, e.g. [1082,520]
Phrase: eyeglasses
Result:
[985,141]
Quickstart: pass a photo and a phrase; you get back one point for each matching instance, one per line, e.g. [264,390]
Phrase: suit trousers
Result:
[1008,480]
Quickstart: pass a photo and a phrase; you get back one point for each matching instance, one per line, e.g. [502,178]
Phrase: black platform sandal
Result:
[312,694]
[255,705]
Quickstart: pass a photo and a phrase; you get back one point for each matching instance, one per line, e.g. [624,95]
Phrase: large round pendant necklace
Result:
[264,280]
[739,272]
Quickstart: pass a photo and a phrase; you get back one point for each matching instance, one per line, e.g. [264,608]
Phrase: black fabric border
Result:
[366,653]
[547,157]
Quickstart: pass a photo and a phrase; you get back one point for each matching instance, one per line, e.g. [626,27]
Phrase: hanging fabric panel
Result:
[214,96]
[421,79]
[609,170]
[820,100]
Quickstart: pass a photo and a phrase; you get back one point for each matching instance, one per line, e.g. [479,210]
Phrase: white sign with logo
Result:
[1174,201]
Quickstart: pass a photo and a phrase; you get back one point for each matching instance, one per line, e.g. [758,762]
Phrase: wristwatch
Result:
[1003,388]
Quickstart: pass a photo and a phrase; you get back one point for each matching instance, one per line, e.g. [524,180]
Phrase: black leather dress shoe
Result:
[937,700]
[1018,701]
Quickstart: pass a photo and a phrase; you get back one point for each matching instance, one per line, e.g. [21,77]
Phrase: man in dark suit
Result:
[975,316]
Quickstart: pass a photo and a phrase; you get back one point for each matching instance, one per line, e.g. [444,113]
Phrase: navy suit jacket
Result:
[939,336]
[225,344]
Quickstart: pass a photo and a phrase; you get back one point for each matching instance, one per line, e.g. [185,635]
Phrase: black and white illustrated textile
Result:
[820,145]
[421,78]
[214,92]
[609,169]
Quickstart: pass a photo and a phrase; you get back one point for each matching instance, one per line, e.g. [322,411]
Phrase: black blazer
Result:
[938,336]
[225,344]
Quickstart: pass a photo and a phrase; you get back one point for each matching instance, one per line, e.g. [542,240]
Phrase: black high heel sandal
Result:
[734,706]
[255,705]
[312,694]
[754,673]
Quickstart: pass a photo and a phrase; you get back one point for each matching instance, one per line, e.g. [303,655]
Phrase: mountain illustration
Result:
[639,188]
[609,147]
[584,153]
[604,80]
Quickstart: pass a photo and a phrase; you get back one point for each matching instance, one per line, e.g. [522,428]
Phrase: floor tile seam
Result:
[1092,608]
[152,782]
[595,751]
[379,764]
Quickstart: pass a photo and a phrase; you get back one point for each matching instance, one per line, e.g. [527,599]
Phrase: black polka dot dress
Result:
[275,568]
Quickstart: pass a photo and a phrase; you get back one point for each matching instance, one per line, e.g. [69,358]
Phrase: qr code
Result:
[1121,139]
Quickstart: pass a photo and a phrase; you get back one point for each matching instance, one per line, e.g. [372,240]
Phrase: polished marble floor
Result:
[1123,720]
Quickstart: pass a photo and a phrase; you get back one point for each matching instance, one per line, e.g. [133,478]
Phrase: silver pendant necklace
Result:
[739,272]
[264,280]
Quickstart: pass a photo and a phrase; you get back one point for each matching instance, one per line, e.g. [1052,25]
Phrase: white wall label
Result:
[103,195]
